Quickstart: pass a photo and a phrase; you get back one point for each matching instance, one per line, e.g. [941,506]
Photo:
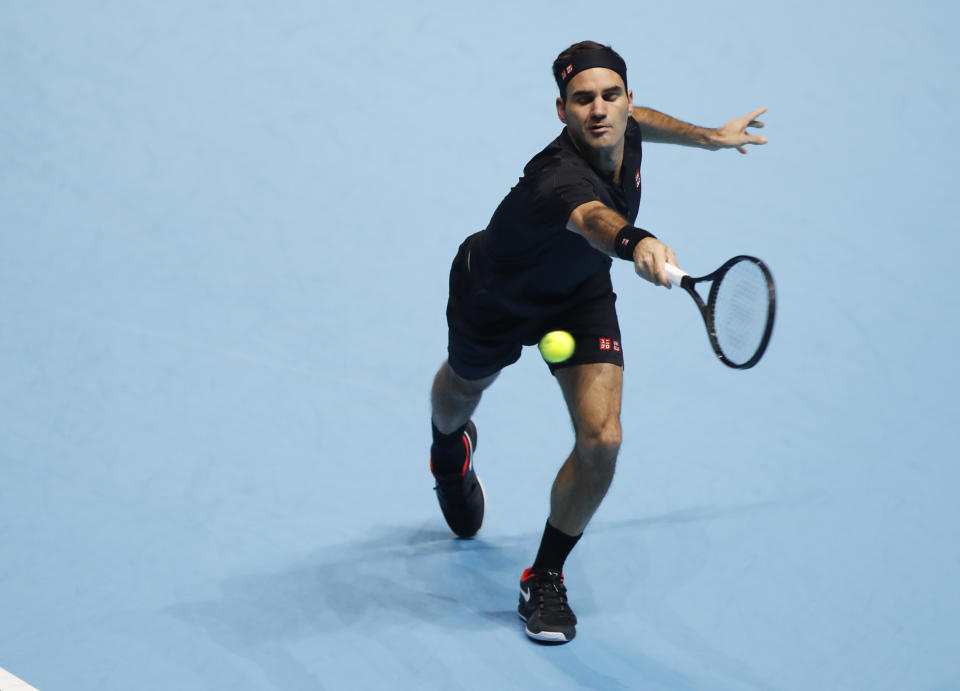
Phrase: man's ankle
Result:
[448,452]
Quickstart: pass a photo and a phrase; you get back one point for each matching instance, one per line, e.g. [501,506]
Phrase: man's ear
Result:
[561,110]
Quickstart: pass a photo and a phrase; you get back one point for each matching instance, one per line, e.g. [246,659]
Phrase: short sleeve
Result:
[559,189]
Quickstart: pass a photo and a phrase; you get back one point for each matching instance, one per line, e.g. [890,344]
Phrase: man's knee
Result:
[600,442]
[452,390]
[596,454]
[463,386]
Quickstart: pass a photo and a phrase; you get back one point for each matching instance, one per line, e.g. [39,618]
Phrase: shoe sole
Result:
[547,636]
[483,493]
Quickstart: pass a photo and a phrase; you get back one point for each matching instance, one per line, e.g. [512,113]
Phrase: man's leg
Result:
[453,400]
[592,393]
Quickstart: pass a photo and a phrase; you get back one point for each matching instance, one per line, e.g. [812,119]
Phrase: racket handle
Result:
[674,274]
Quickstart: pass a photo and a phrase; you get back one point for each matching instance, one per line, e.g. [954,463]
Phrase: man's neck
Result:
[607,161]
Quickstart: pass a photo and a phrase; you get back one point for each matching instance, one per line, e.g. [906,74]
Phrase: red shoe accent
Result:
[466,446]
[466,463]
[530,573]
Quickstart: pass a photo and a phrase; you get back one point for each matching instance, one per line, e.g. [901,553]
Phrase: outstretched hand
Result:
[649,256]
[734,134]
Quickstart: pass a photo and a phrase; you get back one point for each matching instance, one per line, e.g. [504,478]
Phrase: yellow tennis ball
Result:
[557,346]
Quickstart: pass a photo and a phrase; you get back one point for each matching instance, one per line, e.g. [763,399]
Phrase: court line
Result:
[8,682]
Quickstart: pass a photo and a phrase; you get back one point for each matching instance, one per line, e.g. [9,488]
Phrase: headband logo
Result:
[566,72]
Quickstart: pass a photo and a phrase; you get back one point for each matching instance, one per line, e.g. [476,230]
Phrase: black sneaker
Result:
[460,493]
[543,605]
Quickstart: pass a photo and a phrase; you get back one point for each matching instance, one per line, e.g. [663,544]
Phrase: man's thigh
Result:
[593,393]
[473,358]
[482,338]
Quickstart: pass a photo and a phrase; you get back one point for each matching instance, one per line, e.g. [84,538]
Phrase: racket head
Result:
[740,310]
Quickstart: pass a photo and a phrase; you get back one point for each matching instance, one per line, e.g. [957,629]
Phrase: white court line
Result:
[8,682]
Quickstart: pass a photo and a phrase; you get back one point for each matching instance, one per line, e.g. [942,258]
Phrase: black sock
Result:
[447,453]
[554,548]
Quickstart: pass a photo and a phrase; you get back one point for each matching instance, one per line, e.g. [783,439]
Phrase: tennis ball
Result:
[557,346]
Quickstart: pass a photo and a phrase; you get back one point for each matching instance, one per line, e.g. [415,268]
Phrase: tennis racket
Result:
[739,308]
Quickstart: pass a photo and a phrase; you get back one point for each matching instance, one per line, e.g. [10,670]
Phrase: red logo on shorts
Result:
[610,344]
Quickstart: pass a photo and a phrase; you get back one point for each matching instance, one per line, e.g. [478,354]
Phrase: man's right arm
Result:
[660,127]
[599,225]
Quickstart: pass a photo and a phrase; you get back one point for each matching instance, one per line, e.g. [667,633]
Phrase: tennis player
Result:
[543,264]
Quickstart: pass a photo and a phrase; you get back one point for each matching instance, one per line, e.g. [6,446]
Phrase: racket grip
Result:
[674,274]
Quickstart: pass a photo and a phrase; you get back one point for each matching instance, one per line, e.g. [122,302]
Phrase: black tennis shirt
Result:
[526,262]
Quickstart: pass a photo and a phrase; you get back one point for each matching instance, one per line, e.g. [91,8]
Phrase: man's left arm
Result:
[660,127]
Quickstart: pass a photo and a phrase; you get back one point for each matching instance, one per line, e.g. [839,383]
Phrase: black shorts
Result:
[485,334]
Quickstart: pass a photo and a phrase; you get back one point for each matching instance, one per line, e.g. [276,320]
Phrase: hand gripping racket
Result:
[739,309]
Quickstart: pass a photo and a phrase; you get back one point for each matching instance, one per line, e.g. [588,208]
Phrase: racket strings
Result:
[740,311]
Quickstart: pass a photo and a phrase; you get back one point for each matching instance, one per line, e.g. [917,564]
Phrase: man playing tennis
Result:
[543,264]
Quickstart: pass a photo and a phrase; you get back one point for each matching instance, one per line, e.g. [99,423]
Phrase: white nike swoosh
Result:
[525,594]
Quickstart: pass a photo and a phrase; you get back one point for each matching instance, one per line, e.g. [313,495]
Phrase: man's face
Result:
[597,109]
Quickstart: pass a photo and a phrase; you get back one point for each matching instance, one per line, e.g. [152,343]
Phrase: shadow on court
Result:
[398,577]
[413,590]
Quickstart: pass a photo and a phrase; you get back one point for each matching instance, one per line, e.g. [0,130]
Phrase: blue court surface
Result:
[225,231]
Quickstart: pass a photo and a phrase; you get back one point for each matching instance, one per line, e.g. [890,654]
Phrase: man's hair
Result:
[568,55]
